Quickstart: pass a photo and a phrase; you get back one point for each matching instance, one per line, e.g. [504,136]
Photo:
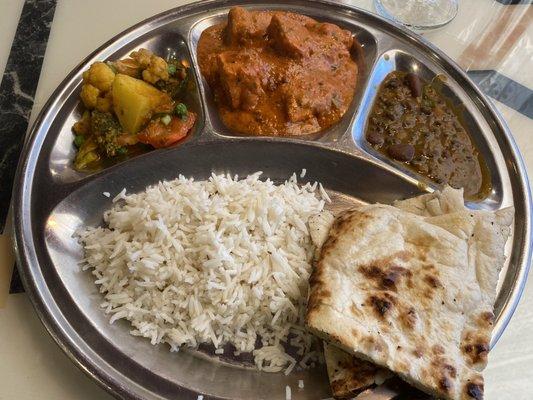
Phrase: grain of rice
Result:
[106,194]
[217,261]
[120,196]
[323,193]
[288,394]
[300,383]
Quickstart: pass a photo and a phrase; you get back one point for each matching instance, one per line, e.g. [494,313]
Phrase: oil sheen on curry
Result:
[278,73]
[412,122]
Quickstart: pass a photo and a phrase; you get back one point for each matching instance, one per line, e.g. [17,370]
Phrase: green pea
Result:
[181,110]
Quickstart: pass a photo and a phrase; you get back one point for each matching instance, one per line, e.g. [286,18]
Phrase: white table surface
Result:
[31,364]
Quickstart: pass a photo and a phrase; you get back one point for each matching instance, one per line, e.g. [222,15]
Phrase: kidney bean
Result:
[401,152]
[414,83]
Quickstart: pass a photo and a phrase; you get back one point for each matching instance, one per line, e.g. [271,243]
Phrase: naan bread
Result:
[432,204]
[413,291]
[349,375]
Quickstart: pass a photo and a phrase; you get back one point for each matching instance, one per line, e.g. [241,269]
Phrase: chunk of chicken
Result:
[244,26]
[242,76]
[306,97]
[289,39]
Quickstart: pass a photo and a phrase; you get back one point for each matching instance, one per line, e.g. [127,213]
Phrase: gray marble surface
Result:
[18,87]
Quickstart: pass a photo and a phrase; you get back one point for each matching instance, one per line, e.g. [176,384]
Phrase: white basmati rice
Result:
[217,261]
[300,383]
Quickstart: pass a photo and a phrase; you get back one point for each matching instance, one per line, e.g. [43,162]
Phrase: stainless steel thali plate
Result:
[52,200]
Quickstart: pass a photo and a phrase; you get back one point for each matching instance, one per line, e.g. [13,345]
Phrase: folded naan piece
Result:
[413,291]
[448,201]
[348,375]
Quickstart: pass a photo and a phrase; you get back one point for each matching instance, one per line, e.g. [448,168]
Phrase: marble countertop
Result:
[42,40]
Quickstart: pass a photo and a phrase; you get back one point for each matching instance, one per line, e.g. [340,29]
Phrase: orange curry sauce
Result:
[278,73]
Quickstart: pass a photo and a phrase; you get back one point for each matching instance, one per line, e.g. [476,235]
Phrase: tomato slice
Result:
[160,135]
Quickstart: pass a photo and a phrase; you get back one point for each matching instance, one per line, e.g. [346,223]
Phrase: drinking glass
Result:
[418,14]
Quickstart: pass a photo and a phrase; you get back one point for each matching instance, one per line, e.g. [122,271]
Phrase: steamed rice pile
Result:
[217,261]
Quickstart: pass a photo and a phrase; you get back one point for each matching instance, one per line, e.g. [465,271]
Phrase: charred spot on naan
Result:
[355,334]
[475,389]
[445,384]
[382,303]
[451,370]
[432,281]
[362,374]
[408,318]
[316,298]
[318,294]
[441,371]
[475,348]
[418,352]
[486,319]
[437,349]
[385,275]
[341,226]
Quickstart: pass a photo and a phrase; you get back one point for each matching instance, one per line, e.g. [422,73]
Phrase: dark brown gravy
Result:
[412,123]
[278,73]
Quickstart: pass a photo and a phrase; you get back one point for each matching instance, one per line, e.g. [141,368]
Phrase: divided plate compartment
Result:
[52,200]
[165,41]
[398,60]
[365,59]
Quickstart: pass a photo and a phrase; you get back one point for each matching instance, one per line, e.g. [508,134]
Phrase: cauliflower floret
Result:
[100,76]
[158,69]
[143,57]
[104,104]
[154,67]
[89,95]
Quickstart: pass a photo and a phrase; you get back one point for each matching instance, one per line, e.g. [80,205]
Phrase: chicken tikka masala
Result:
[278,73]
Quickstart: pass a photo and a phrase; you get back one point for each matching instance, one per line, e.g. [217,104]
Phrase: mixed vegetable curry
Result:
[131,105]
[412,123]
[278,73]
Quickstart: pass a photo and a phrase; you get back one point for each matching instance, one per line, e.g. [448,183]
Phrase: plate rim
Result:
[25,246]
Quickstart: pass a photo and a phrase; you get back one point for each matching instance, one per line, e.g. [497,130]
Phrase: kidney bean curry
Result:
[412,123]
[278,73]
